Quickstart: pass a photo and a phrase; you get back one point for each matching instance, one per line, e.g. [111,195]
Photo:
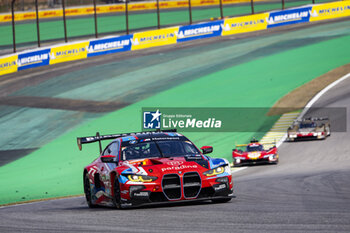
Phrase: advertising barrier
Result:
[29,60]
[200,31]
[245,24]
[330,11]
[286,17]
[109,45]
[8,64]
[69,52]
[173,35]
[142,40]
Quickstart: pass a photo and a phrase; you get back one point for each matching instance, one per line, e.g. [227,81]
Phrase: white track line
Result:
[238,169]
[316,97]
[308,105]
[279,143]
[313,100]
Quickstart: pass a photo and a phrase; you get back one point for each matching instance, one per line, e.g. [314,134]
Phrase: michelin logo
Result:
[7,65]
[151,120]
[108,46]
[67,53]
[199,31]
[33,59]
[287,17]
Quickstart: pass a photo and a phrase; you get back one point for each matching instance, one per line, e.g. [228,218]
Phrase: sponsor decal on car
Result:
[181,167]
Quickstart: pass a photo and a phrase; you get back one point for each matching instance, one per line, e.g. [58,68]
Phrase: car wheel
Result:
[222,200]
[116,196]
[87,191]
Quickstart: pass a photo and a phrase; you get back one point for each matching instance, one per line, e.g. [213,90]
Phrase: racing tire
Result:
[116,195]
[87,191]
[222,200]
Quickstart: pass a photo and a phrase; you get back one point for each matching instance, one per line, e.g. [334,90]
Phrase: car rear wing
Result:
[256,141]
[268,143]
[98,138]
[316,119]
[312,119]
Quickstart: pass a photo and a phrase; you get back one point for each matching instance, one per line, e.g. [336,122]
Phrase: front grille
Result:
[171,185]
[192,184]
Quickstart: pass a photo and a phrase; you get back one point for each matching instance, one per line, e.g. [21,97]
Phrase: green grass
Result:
[56,168]
[53,30]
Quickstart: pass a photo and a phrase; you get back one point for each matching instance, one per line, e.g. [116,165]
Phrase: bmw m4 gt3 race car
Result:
[309,128]
[254,153]
[151,168]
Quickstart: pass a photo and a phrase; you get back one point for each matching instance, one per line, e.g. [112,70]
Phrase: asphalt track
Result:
[35,125]
[308,191]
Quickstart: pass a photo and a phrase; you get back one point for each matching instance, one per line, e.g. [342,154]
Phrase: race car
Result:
[144,168]
[254,153]
[309,128]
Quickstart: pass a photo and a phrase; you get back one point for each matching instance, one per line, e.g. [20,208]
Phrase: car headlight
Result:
[215,171]
[141,178]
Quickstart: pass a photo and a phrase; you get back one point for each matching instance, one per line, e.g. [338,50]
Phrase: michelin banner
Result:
[200,31]
[69,52]
[8,64]
[142,40]
[330,11]
[33,59]
[109,45]
[245,24]
[286,17]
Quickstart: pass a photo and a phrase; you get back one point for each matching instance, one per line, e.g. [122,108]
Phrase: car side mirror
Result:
[207,149]
[108,159]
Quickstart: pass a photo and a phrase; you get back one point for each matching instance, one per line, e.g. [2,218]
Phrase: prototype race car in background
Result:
[254,153]
[309,128]
[154,167]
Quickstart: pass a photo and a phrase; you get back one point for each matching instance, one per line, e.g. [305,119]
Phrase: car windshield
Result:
[307,125]
[251,148]
[153,149]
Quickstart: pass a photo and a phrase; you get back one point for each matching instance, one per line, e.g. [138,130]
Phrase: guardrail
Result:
[172,35]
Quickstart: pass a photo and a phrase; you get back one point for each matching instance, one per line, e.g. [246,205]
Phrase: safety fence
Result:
[66,24]
[171,35]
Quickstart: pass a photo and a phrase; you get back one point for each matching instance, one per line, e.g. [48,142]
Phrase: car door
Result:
[106,168]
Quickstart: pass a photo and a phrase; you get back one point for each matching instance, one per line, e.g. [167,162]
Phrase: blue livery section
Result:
[109,45]
[33,59]
[216,162]
[281,18]
[122,179]
[200,31]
